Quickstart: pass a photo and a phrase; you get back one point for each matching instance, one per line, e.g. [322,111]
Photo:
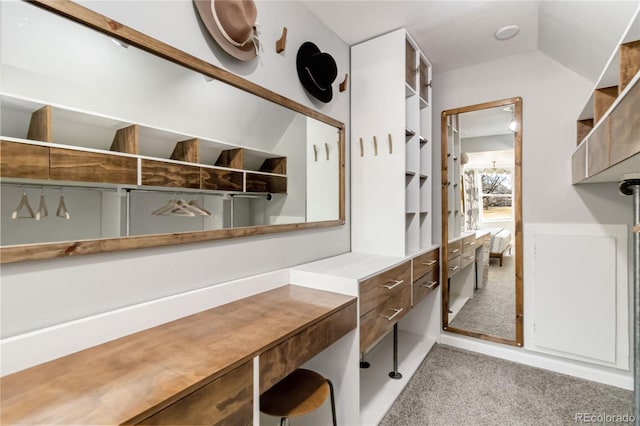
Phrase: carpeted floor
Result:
[492,309]
[457,387]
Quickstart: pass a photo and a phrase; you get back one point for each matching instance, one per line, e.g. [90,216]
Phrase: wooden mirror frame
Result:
[96,21]
[519,338]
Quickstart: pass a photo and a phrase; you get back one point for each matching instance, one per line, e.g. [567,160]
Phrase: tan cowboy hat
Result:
[232,25]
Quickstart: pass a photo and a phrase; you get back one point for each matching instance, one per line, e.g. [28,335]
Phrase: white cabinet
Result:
[391,146]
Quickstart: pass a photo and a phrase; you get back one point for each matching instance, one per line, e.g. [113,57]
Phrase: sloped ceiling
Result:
[454,34]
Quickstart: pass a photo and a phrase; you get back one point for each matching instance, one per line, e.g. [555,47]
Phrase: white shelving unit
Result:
[454,212]
[391,102]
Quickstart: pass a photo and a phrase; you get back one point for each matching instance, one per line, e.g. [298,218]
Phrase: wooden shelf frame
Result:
[607,130]
[182,169]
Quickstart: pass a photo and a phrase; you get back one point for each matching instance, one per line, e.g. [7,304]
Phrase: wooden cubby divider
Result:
[40,125]
[584,127]
[232,158]
[275,165]
[604,98]
[126,140]
[187,150]
[629,63]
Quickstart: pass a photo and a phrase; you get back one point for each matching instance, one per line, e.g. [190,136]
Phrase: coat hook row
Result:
[375,145]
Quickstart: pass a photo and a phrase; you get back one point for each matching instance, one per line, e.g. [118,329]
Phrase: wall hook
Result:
[390,144]
[343,85]
[282,41]
[375,146]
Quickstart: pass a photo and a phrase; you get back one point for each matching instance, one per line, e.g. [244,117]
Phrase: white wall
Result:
[43,293]
[553,96]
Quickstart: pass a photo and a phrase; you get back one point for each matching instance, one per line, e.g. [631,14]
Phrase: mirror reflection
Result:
[481,296]
[146,146]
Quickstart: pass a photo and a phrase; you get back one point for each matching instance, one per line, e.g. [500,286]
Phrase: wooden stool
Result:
[300,393]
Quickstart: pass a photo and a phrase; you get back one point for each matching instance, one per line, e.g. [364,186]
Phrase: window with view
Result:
[497,195]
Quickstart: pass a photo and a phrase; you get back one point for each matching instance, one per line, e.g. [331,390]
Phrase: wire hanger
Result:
[42,208]
[62,208]
[23,204]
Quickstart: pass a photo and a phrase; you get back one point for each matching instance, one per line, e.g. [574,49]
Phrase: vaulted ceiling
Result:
[454,34]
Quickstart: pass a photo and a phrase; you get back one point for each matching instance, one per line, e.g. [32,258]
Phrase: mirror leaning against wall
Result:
[108,146]
[482,221]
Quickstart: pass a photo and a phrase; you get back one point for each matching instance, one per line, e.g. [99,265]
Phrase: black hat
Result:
[316,71]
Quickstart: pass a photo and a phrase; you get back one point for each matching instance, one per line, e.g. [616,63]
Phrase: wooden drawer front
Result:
[424,286]
[379,320]
[425,263]
[279,361]
[579,164]
[598,149]
[625,127]
[453,267]
[266,183]
[223,180]
[454,249]
[24,161]
[469,242]
[159,173]
[479,242]
[377,289]
[467,258]
[81,166]
[227,400]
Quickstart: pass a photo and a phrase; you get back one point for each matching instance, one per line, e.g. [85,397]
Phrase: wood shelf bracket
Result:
[282,41]
[186,150]
[40,125]
[343,85]
[126,140]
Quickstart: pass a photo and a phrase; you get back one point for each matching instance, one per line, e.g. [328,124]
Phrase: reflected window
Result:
[497,194]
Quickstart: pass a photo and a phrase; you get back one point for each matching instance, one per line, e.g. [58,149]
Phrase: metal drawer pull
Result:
[454,268]
[468,257]
[396,283]
[455,251]
[433,262]
[397,311]
[431,285]
[470,243]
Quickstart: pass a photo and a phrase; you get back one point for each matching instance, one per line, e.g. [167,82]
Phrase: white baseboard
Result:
[522,356]
[29,349]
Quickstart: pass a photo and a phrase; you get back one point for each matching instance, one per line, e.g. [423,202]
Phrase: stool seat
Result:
[300,393]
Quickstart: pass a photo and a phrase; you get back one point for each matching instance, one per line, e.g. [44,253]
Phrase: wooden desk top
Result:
[127,379]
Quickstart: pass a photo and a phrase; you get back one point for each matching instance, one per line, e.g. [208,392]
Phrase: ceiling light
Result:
[505,33]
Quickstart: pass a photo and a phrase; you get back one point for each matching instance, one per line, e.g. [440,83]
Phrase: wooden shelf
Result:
[122,157]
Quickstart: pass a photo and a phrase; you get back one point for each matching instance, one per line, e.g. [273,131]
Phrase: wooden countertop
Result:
[127,379]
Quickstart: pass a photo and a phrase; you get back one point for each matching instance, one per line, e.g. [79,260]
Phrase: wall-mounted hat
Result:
[316,71]
[231,23]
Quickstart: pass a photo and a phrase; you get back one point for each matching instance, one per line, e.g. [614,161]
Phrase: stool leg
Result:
[333,403]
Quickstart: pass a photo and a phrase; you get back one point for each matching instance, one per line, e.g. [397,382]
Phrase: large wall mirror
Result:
[112,140]
[482,221]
